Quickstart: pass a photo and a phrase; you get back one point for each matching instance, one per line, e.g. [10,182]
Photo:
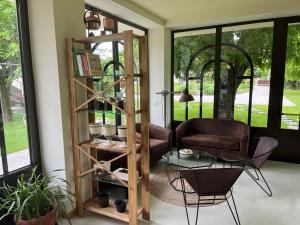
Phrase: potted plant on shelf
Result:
[37,200]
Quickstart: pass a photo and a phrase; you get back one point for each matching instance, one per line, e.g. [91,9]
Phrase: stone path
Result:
[16,160]
[260,96]
[292,124]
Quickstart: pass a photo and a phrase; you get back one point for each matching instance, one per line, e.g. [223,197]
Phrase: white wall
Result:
[159,40]
[51,21]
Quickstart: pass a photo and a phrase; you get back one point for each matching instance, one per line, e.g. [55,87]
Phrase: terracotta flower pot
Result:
[48,219]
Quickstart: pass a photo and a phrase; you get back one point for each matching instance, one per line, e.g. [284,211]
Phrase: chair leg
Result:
[257,176]
[268,192]
[185,204]
[252,175]
[234,215]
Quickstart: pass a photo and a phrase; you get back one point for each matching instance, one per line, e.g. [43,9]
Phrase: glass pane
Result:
[198,76]
[255,40]
[291,93]
[241,103]
[12,91]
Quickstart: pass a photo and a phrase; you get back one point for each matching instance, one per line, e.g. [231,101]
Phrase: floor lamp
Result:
[185,97]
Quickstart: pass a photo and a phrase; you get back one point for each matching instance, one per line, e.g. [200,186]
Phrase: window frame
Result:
[29,95]
[277,69]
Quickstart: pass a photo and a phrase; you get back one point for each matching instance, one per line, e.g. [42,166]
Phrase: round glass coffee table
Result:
[185,159]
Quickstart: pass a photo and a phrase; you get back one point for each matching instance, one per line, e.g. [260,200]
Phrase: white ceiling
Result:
[191,13]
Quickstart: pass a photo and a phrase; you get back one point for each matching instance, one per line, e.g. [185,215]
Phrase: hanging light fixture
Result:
[186,97]
[108,24]
[92,20]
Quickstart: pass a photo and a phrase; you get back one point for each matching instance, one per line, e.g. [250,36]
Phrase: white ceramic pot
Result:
[95,128]
[109,130]
[122,131]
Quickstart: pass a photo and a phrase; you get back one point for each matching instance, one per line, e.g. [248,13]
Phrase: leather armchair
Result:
[160,140]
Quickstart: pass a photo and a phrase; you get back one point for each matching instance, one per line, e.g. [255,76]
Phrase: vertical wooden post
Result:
[145,160]
[131,136]
[74,127]
[91,119]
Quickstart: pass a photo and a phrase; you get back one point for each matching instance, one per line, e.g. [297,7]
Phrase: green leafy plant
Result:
[35,197]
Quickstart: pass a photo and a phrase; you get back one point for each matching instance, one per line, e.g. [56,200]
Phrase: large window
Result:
[112,61]
[18,125]
[197,75]
[228,68]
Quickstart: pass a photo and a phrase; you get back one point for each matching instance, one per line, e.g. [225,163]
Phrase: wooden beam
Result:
[145,160]
[74,127]
[100,39]
[131,135]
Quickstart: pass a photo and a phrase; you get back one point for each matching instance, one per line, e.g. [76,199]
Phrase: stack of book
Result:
[86,63]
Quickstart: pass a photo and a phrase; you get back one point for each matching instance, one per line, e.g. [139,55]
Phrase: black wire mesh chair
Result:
[213,184]
[264,148]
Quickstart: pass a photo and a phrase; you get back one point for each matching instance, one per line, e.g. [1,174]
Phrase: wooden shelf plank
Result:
[110,211]
[100,39]
[113,148]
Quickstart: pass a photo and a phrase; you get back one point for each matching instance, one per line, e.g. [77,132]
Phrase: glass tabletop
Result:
[185,159]
[189,159]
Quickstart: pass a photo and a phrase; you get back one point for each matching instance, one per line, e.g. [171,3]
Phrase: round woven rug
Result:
[161,189]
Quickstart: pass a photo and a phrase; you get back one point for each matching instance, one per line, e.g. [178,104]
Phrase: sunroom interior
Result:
[200,87]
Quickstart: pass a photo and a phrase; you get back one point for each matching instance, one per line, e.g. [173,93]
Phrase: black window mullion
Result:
[2,145]
[28,82]
[277,73]
[116,67]
[217,70]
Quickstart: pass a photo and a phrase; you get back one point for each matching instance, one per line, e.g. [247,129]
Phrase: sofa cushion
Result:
[212,141]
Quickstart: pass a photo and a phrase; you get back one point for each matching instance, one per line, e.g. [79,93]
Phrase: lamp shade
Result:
[186,97]
[108,24]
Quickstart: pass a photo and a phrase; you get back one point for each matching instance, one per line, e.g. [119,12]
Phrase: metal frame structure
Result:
[212,197]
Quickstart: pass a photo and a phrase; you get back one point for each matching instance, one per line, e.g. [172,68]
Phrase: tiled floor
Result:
[254,206]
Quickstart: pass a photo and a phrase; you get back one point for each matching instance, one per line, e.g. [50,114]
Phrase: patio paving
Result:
[17,160]
[260,97]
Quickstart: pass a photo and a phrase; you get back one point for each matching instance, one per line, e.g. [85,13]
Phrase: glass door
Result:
[290,112]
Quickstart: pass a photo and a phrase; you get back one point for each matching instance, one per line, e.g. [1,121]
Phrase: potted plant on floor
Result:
[39,200]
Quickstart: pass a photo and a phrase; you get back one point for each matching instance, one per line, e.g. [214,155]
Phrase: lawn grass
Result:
[293,96]
[15,133]
[241,113]
[259,112]
[258,118]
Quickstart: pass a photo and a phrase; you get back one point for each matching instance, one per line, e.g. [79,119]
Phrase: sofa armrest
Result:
[181,131]
[160,133]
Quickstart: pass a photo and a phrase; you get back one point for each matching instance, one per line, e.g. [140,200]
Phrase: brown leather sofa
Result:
[213,136]
[160,143]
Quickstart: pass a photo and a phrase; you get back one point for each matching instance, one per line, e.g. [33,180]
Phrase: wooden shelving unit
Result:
[85,148]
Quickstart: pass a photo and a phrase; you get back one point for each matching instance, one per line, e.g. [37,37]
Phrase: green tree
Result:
[9,54]
[256,42]
[292,68]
